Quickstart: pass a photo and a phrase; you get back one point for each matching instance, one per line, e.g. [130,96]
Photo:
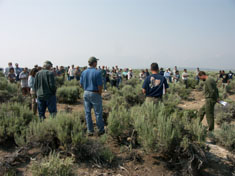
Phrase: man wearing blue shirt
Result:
[91,81]
[155,85]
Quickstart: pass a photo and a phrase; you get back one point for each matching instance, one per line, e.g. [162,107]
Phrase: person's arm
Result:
[165,85]
[35,82]
[144,91]
[52,82]
[81,80]
[144,86]
[100,89]
[100,83]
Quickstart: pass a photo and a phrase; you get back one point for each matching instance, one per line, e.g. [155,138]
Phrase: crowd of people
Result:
[39,83]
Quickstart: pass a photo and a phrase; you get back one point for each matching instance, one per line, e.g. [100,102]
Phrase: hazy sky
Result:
[129,33]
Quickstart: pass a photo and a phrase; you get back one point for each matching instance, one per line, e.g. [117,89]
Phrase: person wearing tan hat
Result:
[91,82]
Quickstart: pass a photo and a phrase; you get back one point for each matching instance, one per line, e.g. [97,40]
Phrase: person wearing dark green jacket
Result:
[212,96]
[45,89]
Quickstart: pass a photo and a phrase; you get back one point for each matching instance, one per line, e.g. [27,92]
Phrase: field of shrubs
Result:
[134,129]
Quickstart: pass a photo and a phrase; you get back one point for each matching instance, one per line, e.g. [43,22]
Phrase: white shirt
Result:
[72,71]
[129,75]
[184,76]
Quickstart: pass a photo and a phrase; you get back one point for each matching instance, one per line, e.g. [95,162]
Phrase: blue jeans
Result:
[93,100]
[50,104]
[104,83]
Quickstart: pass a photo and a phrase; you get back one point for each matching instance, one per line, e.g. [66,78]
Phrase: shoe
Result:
[90,133]
[100,133]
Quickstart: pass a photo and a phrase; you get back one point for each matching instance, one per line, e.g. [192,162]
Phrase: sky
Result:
[128,33]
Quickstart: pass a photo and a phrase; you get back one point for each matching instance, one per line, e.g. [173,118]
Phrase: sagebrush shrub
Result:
[180,90]
[159,127]
[73,82]
[68,94]
[231,87]
[14,120]
[119,123]
[7,90]
[225,114]
[225,136]
[65,128]
[53,165]
[59,80]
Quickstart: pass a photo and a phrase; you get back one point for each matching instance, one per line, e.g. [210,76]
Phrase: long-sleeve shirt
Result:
[44,84]
[211,90]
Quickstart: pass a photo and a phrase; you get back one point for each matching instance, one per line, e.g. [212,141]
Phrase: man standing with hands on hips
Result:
[91,82]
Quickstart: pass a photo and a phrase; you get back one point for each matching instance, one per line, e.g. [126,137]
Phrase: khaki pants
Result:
[208,109]
[153,99]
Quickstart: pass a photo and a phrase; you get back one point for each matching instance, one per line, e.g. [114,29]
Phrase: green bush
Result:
[59,81]
[178,89]
[73,82]
[65,129]
[200,86]
[192,83]
[231,87]
[53,165]
[68,94]
[225,114]
[7,90]
[119,123]
[159,127]
[226,136]
[14,120]
[132,95]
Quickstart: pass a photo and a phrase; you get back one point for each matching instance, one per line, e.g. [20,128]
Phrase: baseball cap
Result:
[47,63]
[92,59]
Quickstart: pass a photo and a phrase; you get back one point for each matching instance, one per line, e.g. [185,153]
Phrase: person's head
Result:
[25,69]
[154,67]
[175,67]
[223,72]
[142,71]
[35,66]
[57,67]
[92,61]
[11,70]
[198,69]
[177,72]
[146,70]
[202,75]
[47,65]
[10,64]
[161,69]
[130,69]
[17,65]
[103,67]
[72,66]
[33,72]
[185,70]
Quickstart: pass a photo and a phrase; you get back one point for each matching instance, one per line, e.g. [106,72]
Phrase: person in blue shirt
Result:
[91,82]
[155,85]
